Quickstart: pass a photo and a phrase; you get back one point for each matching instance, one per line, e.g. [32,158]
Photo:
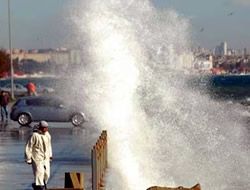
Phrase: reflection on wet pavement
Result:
[71,152]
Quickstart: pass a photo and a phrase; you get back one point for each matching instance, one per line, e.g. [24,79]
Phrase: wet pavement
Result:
[71,152]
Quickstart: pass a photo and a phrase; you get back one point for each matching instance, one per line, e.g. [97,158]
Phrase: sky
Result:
[212,22]
[215,21]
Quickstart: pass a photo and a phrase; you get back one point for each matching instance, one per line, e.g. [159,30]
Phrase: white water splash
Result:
[161,131]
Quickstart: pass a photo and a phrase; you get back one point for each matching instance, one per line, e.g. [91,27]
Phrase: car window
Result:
[18,86]
[37,102]
[7,86]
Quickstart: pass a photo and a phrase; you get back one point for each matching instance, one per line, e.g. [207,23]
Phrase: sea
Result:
[234,88]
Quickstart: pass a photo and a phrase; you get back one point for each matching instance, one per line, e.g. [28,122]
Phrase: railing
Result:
[99,161]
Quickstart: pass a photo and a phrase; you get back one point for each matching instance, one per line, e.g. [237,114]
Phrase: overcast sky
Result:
[41,24]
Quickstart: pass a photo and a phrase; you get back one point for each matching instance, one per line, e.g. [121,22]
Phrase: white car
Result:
[20,90]
[44,89]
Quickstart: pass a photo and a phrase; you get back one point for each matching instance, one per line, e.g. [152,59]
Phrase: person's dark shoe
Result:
[40,187]
[37,187]
[34,186]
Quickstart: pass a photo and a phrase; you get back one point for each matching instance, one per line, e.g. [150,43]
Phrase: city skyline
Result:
[215,21]
[211,22]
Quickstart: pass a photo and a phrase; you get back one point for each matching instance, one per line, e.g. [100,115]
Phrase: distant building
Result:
[221,49]
[224,48]
[245,52]
[59,57]
[186,61]
[217,51]
[75,57]
[203,65]
[38,57]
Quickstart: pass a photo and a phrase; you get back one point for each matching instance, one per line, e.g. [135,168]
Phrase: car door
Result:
[39,109]
[58,109]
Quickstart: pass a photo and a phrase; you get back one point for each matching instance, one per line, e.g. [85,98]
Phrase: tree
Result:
[4,62]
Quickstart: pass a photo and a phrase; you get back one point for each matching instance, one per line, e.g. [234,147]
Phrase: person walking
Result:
[31,89]
[38,153]
[4,101]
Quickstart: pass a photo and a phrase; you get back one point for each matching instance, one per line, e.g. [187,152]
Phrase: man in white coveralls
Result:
[38,153]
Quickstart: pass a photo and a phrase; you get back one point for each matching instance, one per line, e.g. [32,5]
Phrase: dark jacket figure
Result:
[38,153]
[4,101]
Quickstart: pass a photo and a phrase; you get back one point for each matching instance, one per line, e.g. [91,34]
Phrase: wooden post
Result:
[73,180]
[106,148]
[94,168]
[99,161]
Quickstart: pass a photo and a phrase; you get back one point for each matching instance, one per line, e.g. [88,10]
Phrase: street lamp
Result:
[11,61]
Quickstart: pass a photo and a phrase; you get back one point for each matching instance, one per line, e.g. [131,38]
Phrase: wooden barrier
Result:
[99,161]
[196,187]
[72,181]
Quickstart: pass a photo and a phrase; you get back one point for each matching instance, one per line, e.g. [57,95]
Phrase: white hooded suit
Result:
[38,152]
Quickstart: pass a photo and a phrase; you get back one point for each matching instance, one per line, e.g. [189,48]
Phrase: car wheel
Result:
[77,119]
[24,119]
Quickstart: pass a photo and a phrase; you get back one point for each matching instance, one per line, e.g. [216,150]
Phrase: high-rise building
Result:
[221,49]
[245,51]
[224,48]
[217,50]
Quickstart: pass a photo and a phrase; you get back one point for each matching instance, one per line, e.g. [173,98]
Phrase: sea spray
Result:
[161,131]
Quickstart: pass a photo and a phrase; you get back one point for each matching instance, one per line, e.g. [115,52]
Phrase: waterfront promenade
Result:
[71,152]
